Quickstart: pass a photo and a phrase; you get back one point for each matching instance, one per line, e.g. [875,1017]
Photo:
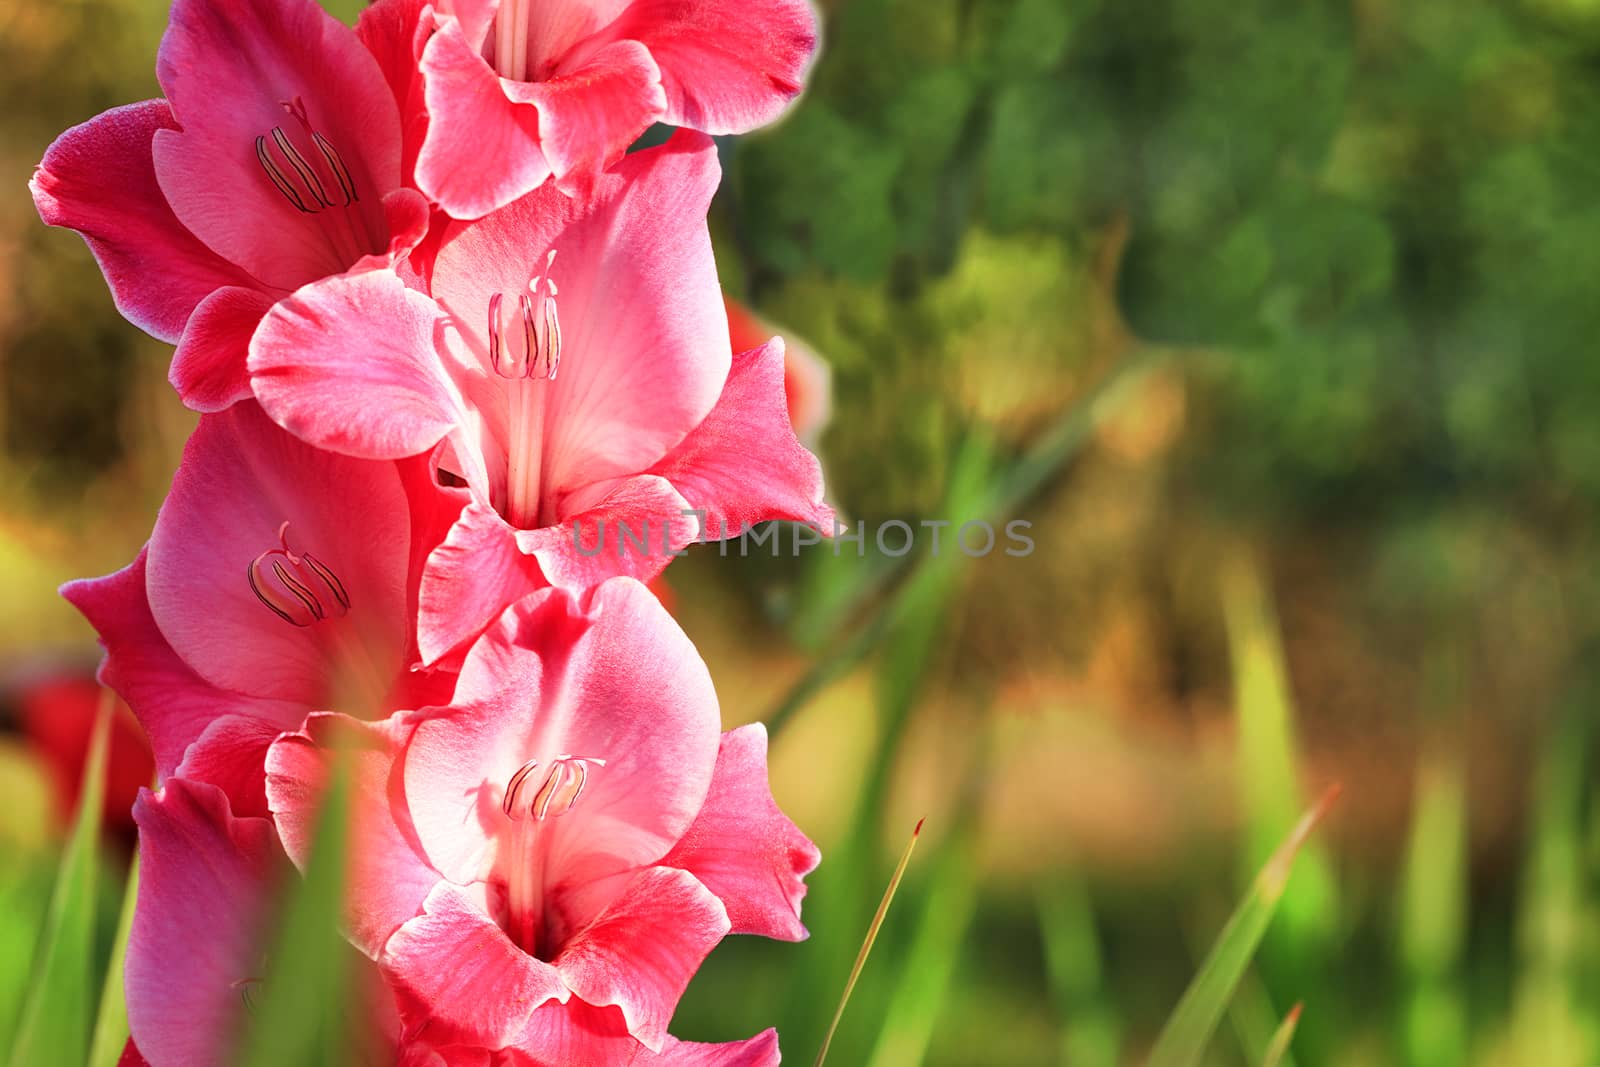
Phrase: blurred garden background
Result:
[1277,323]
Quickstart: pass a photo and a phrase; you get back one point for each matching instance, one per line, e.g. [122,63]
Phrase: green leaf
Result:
[59,1012]
[299,1011]
[1194,1020]
[111,1026]
[1279,1047]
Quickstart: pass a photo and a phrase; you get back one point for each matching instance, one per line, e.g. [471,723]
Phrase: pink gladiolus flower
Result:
[279,580]
[573,367]
[519,90]
[275,160]
[543,865]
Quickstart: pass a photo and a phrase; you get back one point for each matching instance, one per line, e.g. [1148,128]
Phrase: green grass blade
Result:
[1251,1012]
[299,1012]
[918,999]
[1270,790]
[866,944]
[913,626]
[59,1011]
[1091,1034]
[1278,1048]
[1549,997]
[111,1025]
[1195,1019]
[1433,925]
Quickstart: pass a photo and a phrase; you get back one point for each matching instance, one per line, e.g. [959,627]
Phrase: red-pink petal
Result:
[229,68]
[208,369]
[807,383]
[743,464]
[482,149]
[242,478]
[131,1057]
[574,1034]
[387,879]
[455,970]
[589,116]
[640,953]
[230,754]
[470,579]
[205,888]
[727,66]
[631,528]
[743,848]
[758,1051]
[349,364]
[395,32]
[99,179]
[173,703]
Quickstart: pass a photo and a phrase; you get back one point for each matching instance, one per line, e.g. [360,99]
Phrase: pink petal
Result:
[99,179]
[589,116]
[607,677]
[241,478]
[208,370]
[727,66]
[745,850]
[574,1034]
[407,215]
[758,1051]
[482,148]
[230,754]
[743,464]
[645,347]
[455,970]
[349,364]
[640,953]
[470,579]
[807,384]
[205,889]
[421,1055]
[387,878]
[229,67]
[173,703]
[476,18]
[395,32]
[484,566]
[633,528]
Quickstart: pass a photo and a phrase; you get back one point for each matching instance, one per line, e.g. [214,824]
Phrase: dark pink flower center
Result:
[529,807]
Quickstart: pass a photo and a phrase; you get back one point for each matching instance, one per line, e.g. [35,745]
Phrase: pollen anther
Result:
[298,588]
[541,331]
[309,194]
[563,785]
